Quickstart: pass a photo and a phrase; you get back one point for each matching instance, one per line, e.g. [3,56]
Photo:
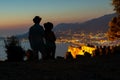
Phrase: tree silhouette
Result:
[116,4]
[114,24]
[14,51]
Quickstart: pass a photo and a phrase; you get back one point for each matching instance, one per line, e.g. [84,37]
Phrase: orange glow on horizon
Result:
[13,24]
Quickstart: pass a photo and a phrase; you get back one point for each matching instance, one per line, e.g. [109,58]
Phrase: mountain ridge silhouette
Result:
[93,25]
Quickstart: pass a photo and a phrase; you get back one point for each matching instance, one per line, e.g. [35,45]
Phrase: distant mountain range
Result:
[99,24]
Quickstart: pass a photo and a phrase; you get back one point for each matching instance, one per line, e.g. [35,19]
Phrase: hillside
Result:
[99,24]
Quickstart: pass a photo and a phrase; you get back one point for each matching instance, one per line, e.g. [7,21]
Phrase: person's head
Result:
[37,19]
[48,26]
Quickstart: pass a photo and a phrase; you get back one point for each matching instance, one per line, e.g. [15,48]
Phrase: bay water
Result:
[61,49]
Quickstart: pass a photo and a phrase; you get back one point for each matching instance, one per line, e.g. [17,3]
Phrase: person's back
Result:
[36,35]
[50,39]
[50,36]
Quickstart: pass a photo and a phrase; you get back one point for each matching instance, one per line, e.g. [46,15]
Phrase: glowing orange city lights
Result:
[80,50]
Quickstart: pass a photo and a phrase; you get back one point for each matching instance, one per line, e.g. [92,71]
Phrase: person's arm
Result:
[54,37]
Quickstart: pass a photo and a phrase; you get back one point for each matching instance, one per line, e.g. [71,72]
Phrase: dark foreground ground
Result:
[81,69]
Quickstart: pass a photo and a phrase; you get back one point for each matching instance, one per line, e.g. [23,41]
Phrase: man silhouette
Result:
[36,39]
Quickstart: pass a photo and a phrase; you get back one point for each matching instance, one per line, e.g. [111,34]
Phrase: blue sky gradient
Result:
[16,15]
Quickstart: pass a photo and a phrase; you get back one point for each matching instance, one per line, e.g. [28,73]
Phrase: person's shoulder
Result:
[34,26]
[31,27]
[40,26]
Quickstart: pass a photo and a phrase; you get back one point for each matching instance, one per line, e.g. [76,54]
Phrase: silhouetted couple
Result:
[41,40]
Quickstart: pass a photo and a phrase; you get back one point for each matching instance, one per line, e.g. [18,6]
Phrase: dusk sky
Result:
[16,15]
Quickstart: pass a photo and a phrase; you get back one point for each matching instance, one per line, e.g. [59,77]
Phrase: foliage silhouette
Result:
[114,24]
[14,50]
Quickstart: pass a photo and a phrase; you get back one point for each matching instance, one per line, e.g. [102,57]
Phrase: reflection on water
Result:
[61,48]
[2,50]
